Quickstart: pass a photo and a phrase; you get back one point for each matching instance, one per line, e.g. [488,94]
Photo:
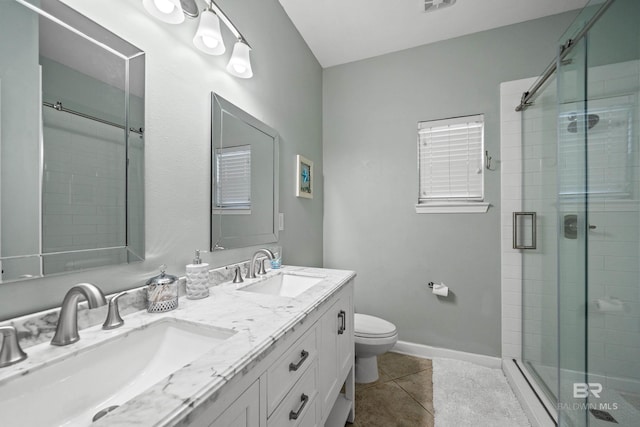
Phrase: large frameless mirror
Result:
[244,178]
[71,143]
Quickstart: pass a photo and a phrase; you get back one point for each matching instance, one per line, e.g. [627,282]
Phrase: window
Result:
[451,165]
[233,178]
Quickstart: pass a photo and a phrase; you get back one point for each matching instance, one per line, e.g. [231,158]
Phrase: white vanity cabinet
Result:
[299,383]
[244,412]
[336,358]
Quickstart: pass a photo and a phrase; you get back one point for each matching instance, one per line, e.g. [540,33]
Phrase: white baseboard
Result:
[429,352]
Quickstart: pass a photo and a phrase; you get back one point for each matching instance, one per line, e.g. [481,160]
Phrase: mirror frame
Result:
[220,107]
[64,16]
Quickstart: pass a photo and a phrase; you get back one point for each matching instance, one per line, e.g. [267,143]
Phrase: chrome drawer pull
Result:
[296,366]
[294,415]
[343,322]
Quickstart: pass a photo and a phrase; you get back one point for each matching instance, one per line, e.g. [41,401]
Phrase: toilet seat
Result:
[366,326]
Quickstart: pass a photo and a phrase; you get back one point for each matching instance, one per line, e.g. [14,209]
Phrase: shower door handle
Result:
[519,219]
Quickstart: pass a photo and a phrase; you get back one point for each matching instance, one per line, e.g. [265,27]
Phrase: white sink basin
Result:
[72,391]
[284,284]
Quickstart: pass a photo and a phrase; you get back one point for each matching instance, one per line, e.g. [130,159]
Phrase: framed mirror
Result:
[244,178]
[71,143]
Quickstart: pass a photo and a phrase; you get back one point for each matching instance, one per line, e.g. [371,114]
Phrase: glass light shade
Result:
[240,63]
[208,37]
[169,11]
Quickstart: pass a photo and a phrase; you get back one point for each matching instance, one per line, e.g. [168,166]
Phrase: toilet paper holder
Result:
[439,289]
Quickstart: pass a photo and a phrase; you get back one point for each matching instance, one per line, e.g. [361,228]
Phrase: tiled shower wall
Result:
[511,201]
[614,245]
[83,192]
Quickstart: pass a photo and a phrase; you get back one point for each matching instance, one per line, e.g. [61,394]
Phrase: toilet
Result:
[373,336]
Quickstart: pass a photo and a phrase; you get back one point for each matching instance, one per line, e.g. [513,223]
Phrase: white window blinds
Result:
[233,177]
[450,159]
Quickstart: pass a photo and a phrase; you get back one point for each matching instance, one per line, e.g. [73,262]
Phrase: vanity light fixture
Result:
[208,37]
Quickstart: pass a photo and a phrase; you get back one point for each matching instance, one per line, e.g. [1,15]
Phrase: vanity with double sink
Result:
[273,351]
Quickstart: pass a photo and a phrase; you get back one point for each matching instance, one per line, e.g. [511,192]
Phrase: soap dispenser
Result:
[197,278]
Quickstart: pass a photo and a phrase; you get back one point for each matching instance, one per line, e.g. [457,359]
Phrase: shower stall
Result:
[578,231]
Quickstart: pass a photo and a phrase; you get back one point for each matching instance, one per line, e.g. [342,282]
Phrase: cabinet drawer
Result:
[290,367]
[299,405]
[310,419]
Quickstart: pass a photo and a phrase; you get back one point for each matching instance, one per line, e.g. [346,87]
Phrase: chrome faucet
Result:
[10,352]
[254,258]
[67,329]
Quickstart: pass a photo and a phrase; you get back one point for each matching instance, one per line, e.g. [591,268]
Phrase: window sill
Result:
[452,207]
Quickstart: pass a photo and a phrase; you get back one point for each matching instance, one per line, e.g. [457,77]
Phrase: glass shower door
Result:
[613,276]
[539,265]
[581,176]
[572,235]
[599,247]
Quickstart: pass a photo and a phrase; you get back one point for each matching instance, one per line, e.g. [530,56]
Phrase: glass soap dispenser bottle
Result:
[197,278]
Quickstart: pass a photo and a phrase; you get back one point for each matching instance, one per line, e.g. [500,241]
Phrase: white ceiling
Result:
[340,31]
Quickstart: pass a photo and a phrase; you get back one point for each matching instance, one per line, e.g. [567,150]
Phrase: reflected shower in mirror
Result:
[244,178]
[71,141]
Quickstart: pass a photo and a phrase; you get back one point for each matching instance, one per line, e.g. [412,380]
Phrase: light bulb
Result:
[169,11]
[208,37]
[210,42]
[164,6]
[240,63]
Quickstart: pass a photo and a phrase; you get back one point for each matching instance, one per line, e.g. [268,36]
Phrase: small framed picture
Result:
[304,180]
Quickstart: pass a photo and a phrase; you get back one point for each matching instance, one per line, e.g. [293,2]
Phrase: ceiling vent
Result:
[433,5]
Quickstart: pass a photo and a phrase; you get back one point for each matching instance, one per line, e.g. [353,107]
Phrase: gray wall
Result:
[370,114]
[285,93]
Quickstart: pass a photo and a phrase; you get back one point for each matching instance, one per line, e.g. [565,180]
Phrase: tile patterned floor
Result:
[402,396]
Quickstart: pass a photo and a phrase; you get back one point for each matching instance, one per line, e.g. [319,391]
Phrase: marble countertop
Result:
[259,321]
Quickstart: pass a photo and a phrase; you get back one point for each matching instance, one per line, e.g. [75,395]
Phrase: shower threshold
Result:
[539,410]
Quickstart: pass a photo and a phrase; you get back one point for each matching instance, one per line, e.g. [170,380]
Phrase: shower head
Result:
[592,120]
